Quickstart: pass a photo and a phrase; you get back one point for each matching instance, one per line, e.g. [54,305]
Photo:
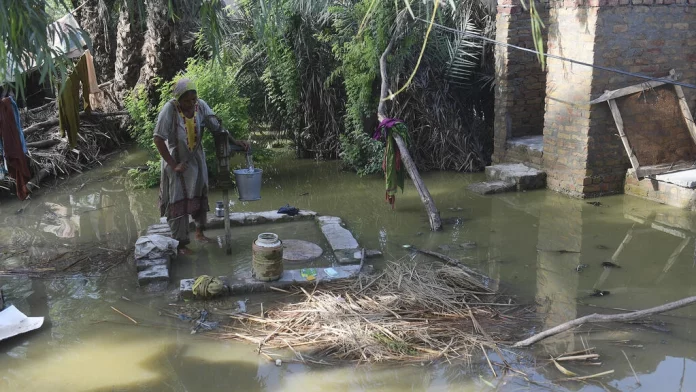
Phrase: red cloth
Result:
[17,163]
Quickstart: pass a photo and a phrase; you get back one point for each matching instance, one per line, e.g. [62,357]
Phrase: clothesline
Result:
[553,56]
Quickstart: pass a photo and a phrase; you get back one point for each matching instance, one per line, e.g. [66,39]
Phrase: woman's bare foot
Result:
[184,251]
[200,237]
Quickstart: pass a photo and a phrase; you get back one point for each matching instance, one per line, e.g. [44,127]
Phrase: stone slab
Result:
[535,143]
[299,250]
[256,218]
[143,264]
[685,179]
[492,187]
[245,284]
[341,240]
[155,273]
[523,176]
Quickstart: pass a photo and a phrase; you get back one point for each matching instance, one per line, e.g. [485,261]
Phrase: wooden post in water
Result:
[433,213]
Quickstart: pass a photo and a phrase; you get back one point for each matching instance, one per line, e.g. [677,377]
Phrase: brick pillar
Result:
[568,93]
[520,80]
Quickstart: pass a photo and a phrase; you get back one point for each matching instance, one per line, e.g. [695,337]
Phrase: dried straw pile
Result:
[409,312]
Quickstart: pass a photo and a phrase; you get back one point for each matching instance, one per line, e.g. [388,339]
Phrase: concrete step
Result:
[521,176]
[492,187]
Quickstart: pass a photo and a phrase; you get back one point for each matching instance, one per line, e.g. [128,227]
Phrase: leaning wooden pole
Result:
[433,213]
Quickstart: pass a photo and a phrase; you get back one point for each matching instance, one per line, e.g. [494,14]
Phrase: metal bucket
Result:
[248,184]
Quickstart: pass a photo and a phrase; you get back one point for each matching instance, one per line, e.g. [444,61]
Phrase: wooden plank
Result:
[619,126]
[686,112]
[622,92]
[653,170]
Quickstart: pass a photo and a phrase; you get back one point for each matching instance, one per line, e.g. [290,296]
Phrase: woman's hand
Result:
[180,168]
[242,144]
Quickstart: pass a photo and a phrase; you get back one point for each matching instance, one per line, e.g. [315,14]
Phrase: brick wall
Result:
[648,37]
[520,81]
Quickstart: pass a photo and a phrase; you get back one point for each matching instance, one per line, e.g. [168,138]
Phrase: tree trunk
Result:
[95,18]
[165,40]
[129,42]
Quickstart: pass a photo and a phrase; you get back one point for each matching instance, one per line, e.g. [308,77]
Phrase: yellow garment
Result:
[190,124]
[68,108]
[91,73]
[96,96]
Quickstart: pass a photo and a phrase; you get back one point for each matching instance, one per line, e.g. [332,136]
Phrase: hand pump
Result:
[223,151]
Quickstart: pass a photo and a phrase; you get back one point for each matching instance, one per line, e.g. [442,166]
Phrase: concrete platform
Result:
[522,176]
[492,187]
[674,189]
[256,218]
[341,240]
[685,179]
[244,283]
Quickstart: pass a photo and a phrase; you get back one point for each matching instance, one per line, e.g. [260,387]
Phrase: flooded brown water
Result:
[532,242]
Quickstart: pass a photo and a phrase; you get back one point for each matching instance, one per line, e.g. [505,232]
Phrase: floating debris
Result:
[609,264]
[581,267]
[599,293]
[468,245]
[602,247]
[595,203]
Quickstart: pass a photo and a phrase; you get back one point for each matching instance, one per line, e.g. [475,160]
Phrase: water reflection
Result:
[529,242]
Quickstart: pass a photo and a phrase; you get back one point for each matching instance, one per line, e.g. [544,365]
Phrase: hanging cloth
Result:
[392,166]
[95,94]
[68,101]
[13,148]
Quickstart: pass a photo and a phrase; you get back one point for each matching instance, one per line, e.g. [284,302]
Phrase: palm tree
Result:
[169,36]
[129,41]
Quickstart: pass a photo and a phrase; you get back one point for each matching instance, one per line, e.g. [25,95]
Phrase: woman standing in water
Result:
[184,177]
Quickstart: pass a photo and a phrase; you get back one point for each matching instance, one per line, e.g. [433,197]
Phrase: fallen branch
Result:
[49,123]
[43,143]
[124,315]
[426,198]
[605,318]
[36,181]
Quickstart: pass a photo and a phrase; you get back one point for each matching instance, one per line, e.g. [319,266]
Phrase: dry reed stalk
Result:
[411,312]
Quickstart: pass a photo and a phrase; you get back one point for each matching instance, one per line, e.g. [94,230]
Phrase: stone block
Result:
[155,273]
[524,177]
[341,240]
[161,229]
[492,187]
[143,264]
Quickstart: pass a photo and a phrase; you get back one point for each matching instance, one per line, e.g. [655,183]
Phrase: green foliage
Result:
[143,118]
[361,153]
[148,178]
